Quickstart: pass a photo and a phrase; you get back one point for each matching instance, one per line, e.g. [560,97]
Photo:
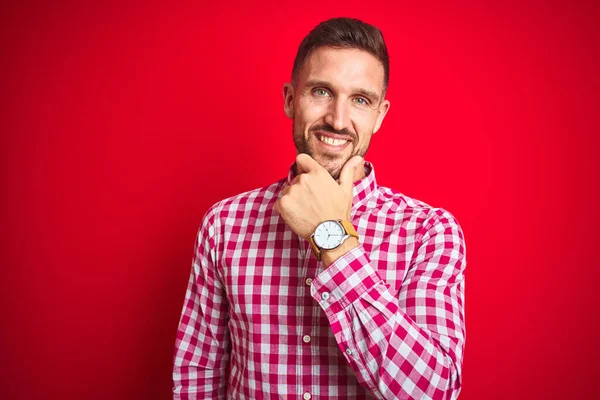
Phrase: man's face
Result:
[336,104]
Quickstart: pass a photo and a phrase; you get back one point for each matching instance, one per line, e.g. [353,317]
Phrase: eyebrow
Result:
[368,93]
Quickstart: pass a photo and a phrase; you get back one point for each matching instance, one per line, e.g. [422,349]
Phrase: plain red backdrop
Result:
[122,123]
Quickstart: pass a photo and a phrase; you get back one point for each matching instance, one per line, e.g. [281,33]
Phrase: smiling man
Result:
[326,285]
[336,103]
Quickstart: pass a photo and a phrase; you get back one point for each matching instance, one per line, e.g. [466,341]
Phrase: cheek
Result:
[309,112]
[364,123]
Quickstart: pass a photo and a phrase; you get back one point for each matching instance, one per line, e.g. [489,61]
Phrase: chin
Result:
[333,163]
[333,167]
[335,174]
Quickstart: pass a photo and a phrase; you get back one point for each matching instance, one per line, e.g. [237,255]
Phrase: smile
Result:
[331,141]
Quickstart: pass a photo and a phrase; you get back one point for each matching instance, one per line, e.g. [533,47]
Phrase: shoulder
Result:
[243,205]
[426,216]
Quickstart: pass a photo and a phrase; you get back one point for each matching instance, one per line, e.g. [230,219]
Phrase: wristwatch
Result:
[330,235]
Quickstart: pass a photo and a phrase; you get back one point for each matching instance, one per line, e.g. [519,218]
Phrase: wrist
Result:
[328,257]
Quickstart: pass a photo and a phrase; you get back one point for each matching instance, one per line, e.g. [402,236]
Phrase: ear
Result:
[288,99]
[383,109]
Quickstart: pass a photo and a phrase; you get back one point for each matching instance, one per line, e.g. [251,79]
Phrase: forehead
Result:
[344,68]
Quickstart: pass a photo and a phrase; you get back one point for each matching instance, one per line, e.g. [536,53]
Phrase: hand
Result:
[314,196]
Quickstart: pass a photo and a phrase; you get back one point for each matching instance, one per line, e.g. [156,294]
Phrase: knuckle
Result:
[302,179]
[283,201]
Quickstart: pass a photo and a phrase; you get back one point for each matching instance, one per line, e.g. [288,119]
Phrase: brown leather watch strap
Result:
[349,228]
[315,248]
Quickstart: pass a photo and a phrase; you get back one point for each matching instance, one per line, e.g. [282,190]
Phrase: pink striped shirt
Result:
[262,319]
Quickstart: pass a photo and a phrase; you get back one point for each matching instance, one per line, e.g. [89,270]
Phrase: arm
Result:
[202,346]
[406,344]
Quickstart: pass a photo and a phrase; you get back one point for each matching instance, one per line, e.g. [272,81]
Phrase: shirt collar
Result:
[362,189]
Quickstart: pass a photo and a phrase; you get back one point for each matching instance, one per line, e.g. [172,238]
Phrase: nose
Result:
[338,114]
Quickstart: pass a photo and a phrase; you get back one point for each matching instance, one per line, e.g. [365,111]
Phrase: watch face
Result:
[329,234]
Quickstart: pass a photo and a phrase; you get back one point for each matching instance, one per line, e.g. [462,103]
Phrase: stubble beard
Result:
[331,162]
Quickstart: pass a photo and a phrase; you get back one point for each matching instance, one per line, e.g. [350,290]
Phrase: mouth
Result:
[332,143]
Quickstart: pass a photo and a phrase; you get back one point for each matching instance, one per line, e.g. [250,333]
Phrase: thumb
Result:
[305,163]
[347,175]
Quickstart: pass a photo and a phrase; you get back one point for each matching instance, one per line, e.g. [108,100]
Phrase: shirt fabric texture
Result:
[262,318]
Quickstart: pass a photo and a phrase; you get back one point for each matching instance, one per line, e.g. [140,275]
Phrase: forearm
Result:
[391,352]
[194,383]
[201,357]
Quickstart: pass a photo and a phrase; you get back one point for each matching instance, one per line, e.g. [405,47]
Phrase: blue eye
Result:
[321,92]
[361,101]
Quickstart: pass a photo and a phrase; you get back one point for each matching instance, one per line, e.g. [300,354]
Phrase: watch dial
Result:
[329,235]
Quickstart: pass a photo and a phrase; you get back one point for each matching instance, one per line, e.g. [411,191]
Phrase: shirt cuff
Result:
[345,281]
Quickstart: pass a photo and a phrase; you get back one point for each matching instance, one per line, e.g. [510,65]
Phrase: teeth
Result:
[333,142]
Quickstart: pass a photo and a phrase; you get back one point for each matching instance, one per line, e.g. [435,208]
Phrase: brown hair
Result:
[344,33]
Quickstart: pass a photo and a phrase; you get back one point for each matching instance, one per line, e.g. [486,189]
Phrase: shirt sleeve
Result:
[202,346]
[405,344]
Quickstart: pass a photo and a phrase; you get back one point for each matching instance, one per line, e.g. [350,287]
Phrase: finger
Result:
[306,163]
[348,170]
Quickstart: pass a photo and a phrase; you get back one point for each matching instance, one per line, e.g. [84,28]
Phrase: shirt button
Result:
[348,351]
[306,396]
[308,281]
[306,339]
[325,296]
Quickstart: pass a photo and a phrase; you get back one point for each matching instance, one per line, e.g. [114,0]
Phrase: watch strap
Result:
[315,249]
[349,228]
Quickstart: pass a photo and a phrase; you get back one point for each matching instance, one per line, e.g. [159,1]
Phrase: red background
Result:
[121,124]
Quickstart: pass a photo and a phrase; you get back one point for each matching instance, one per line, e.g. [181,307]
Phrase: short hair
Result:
[347,33]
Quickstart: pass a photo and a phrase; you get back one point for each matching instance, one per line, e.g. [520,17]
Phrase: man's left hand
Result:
[314,196]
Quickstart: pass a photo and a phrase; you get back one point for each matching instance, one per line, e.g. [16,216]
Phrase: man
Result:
[326,285]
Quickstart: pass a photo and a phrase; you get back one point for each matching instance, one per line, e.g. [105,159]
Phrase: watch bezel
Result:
[339,223]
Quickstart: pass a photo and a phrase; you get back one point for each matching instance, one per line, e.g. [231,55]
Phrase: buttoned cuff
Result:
[345,281]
